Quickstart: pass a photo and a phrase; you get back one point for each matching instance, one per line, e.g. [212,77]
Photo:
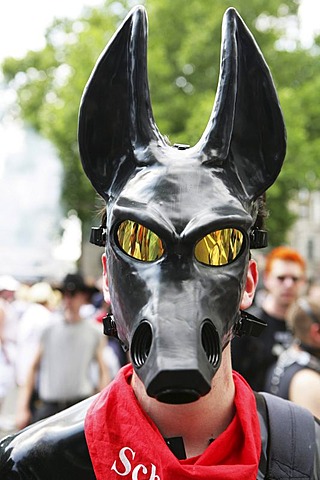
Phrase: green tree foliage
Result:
[183,53]
[50,83]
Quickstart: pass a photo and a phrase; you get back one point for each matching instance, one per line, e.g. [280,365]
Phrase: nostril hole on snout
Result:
[210,342]
[141,344]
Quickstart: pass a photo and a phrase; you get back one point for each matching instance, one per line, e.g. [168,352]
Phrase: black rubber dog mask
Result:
[179,219]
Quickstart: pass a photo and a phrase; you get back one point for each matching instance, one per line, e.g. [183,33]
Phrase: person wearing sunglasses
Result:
[296,374]
[284,280]
[178,227]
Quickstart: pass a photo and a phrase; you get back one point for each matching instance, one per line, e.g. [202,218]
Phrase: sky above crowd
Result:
[23,23]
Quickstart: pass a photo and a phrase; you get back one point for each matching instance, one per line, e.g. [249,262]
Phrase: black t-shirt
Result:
[252,356]
[290,362]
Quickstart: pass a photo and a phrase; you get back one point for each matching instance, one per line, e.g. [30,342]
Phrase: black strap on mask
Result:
[258,238]
[248,324]
[98,236]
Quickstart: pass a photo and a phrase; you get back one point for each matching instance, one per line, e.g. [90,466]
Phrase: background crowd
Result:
[52,349]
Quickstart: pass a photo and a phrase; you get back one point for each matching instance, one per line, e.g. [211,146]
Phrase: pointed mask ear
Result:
[246,131]
[115,113]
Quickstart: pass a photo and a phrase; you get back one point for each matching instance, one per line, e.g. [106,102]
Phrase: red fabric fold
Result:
[124,442]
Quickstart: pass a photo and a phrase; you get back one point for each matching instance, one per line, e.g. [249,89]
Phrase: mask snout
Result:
[174,368]
[178,386]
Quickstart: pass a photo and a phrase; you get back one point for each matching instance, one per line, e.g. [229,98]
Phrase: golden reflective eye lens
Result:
[139,242]
[219,247]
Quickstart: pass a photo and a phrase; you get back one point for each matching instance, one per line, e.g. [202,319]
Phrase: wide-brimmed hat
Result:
[41,292]
[74,282]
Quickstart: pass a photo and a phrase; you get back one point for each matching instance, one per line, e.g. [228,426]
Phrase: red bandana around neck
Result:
[124,442]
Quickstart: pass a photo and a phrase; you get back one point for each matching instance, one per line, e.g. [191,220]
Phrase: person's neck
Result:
[307,346]
[72,316]
[274,309]
[198,422]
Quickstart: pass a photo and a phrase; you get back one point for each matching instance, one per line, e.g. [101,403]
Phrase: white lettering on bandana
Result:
[128,467]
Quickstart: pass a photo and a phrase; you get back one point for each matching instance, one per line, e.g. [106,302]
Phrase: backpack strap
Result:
[291,439]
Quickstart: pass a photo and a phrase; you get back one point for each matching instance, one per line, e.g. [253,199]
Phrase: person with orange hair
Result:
[284,280]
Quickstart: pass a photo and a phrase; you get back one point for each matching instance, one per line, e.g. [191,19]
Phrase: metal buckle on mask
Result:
[248,324]
[110,329]
[258,238]
[98,236]
[109,326]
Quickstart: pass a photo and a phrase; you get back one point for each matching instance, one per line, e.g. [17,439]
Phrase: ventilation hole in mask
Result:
[141,344]
[210,342]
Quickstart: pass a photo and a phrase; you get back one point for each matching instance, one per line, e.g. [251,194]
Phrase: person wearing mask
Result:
[284,279]
[178,228]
